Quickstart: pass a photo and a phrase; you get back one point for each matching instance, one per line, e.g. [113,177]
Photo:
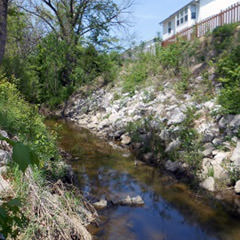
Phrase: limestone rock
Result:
[237,187]
[172,166]
[206,166]
[3,133]
[208,148]
[132,201]
[224,121]
[164,135]
[208,184]
[3,170]
[147,157]
[125,139]
[217,141]
[235,158]
[173,145]
[235,123]
[4,185]
[176,117]
[4,157]
[220,156]
[100,204]
[219,172]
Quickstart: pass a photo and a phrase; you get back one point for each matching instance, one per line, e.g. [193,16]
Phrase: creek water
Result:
[171,210]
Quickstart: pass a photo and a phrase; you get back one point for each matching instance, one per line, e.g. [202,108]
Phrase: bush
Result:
[21,119]
[136,76]
[177,55]
[222,36]
[228,69]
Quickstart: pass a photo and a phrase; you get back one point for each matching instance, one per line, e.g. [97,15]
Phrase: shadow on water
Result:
[171,211]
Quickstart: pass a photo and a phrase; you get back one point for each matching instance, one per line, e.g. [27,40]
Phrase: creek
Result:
[172,211]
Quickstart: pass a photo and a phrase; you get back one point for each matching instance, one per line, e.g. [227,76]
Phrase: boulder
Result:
[4,158]
[3,133]
[172,166]
[210,133]
[134,201]
[224,121]
[206,166]
[237,187]
[235,123]
[208,184]
[125,139]
[176,117]
[219,172]
[235,158]
[3,170]
[220,156]
[147,157]
[208,148]
[100,204]
[173,145]
[4,186]
[164,135]
[217,141]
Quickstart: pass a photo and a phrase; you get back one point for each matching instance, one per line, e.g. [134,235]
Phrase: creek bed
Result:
[171,210]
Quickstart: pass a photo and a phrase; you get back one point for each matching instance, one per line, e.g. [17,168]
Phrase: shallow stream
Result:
[171,210]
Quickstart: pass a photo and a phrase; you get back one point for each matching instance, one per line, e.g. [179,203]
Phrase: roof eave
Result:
[193,1]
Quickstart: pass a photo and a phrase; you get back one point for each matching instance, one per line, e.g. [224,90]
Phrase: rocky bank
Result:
[108,112]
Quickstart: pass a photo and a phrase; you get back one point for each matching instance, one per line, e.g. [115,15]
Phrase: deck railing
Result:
[230,15]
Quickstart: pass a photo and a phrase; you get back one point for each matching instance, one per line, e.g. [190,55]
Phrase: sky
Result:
[148,13]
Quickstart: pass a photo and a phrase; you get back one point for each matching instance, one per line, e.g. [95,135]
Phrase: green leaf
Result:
[23,156]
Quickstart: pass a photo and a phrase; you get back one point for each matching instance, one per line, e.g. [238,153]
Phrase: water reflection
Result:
[171,210]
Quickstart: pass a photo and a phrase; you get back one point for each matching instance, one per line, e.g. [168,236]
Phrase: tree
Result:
[3,26]
[74,19]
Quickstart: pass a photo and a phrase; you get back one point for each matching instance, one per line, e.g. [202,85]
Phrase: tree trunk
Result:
[3,26]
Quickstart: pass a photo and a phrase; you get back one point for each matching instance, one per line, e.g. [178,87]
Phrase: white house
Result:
[192,13]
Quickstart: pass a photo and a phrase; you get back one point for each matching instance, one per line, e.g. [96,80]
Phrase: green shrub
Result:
[190,142]
[228,69]
[222,36]
[136,76]
[20,118]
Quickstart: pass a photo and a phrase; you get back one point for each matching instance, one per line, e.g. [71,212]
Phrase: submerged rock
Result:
[132,201]
[100,204]
[172,166]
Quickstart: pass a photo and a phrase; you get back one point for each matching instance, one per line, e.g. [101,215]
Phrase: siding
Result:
[211,7]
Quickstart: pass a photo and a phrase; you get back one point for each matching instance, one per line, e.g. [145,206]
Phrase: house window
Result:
[193,12]
[169,27]
[178,22]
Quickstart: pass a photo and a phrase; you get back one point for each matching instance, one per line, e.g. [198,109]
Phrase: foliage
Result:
[182,84]
[18,117]
[36,146]
[228,69]
[145,132]
[136,76]
[222,36]
[189,142]
[10,215]
[177,55]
